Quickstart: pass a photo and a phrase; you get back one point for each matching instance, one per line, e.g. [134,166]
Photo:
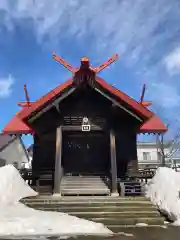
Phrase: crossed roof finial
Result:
[87,61]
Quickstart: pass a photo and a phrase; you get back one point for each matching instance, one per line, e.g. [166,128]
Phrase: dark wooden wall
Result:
[44,151]
[91,104]
[126,152]
[125,126]
[85,103]
[86,153]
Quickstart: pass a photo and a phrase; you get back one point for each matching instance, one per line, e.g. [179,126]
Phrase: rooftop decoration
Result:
[144,103]
[28,103]
[85,73]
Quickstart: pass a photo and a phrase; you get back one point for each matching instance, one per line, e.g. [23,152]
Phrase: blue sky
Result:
[146,35]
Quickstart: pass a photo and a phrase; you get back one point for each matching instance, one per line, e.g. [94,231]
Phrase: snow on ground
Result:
[19,220]
[164,191]
[13,187]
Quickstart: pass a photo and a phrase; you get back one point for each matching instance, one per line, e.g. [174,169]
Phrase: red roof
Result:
[26,112]
[137,107]
[153,125]
[17,124]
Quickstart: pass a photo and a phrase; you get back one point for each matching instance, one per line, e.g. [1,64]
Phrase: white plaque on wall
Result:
[86,128]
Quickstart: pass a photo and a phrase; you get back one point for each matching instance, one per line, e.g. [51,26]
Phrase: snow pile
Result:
[164,191]
[13,187]
[18,220]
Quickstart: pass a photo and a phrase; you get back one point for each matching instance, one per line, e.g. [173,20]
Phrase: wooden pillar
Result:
[114,191]
[58,167]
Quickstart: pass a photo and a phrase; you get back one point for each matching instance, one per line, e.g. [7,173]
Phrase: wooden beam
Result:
[105,64]
[143,93]
[113,163]
[146,103]
[58,167]
[79,128]
[54,104]
[118,104]
[64,63]
[57,108]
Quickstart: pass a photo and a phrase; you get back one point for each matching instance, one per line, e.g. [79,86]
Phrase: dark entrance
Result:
[86,153]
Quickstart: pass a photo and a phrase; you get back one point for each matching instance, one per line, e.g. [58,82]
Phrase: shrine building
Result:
[85,132]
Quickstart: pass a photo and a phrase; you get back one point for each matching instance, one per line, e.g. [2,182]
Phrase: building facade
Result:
[149,156]
[13,151]
[147,153]
[85,127]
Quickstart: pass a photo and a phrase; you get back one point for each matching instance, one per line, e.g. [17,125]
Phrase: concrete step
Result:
[82,181]
[128,228]
[78,185]
[83,191]
[110,222]
[84,188]
[85,199]
[117,215]
[112,211]
[83,185]
[94,209]
[83,177]
[87,205]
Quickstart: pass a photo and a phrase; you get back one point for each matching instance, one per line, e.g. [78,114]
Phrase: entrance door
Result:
[86,153]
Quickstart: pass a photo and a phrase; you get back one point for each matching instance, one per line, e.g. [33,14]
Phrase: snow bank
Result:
[164,191]
[13,187]
[19,220]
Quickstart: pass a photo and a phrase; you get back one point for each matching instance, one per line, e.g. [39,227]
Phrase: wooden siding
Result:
[85,102]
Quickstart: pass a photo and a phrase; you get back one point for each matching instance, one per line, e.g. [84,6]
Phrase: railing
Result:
[142,164]
[35,179]
[128,186]
[147,173]
[27,174]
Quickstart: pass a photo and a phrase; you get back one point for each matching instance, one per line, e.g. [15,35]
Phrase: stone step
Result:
[74,186]
[93,178]
[86,199]
[130,228]
[81,181]
[117,215]
[85,191]
[90,204]
[100,182]
[112,211]
[78,185]
[95,209]
[83,185]
[84,188]
[112,221]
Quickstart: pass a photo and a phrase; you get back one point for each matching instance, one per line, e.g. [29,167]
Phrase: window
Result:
[146,156]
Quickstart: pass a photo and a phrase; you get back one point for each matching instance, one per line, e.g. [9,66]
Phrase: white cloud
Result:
[172,61]
[165,94]
[6,86]
[140,31]
[166,98]
[125,26]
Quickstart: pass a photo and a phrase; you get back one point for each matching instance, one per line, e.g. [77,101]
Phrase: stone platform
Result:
[114,212]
